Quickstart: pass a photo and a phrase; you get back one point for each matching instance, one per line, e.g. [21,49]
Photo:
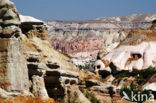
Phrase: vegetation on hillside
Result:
[141,76]
[91,97]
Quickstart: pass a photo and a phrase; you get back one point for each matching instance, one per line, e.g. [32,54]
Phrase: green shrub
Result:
[147,73]
[120,75]
[90,97]
[144,75]
[141,75]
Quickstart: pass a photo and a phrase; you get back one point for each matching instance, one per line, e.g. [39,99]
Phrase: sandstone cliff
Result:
[30,67]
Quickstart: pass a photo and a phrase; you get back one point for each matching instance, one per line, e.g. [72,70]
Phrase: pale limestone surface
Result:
[122,58]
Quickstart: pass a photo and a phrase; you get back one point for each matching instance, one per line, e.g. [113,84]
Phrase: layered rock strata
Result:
[84,39]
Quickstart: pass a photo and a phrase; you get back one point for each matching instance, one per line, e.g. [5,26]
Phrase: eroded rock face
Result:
[46,67]
[84,39]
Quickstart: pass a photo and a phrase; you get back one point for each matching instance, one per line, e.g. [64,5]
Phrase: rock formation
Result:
[29,65]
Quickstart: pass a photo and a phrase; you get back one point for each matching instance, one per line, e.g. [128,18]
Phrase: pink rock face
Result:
[78,47]
[85,38]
